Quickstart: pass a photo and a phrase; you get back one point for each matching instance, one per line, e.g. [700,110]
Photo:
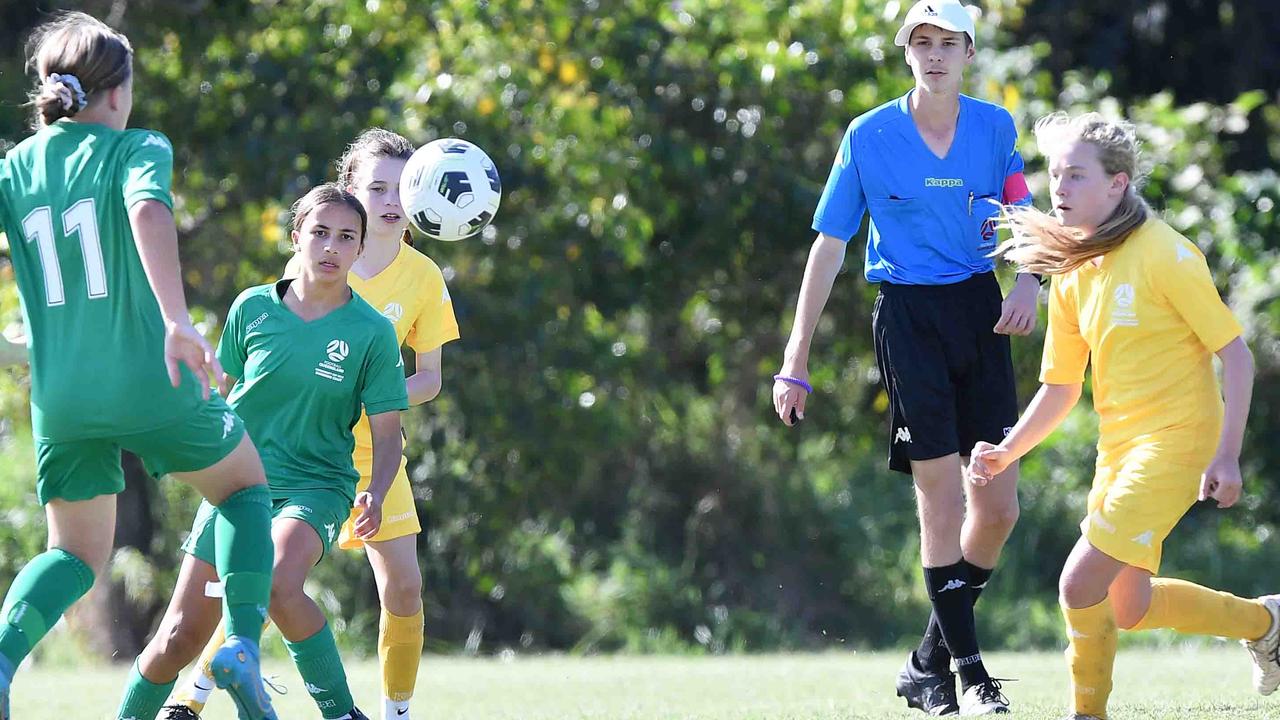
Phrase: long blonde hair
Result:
[1041,243]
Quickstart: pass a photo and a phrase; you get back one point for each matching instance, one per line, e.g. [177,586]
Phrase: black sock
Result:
[952,599]
[932,655]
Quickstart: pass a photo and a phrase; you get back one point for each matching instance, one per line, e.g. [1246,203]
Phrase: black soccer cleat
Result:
[178,712]
[931,692]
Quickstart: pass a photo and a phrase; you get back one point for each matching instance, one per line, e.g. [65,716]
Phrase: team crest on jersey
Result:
[331,369]
[393,312]
[1123,313]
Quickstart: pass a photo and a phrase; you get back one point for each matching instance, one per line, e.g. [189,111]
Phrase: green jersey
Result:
[300,385]
[94,330]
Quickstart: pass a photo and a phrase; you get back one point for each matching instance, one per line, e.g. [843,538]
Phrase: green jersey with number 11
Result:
[95,334]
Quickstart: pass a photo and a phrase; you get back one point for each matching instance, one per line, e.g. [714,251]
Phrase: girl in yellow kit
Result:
[1135,298]
[408,288]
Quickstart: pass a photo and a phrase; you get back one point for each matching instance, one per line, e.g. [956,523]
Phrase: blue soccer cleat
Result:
[235,669]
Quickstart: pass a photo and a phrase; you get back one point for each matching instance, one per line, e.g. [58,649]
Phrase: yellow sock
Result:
[1190,608]
[1091,654]
[193,693]
[400,650]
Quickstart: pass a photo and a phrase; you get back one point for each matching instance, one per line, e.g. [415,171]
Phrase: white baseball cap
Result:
[946,14]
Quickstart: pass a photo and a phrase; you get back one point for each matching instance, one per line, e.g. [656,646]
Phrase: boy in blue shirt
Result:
[931,168]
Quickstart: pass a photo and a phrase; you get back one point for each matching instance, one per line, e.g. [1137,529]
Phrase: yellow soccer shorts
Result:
[399,514]
[1136,501]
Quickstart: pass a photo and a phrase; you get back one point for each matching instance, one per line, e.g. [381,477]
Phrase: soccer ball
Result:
[451,189]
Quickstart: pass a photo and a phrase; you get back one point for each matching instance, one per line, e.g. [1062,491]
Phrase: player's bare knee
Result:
[1075,590]
[1128,614]
[998,519]
[402,590]
[178,643]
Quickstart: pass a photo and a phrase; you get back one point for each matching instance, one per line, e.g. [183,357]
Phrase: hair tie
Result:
[63,85]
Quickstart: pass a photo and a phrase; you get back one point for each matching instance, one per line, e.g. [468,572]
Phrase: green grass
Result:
[1184,683]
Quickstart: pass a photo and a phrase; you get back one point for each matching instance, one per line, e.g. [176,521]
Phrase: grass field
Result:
[1179,683]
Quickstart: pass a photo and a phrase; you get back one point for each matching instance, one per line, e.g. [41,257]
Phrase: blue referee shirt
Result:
[932,219]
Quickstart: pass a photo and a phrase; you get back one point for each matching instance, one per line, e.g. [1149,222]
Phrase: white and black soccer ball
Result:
[451,189]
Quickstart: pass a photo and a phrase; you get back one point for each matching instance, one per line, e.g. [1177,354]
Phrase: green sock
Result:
[41,592]
[142,698]
[321,670]
[244,553]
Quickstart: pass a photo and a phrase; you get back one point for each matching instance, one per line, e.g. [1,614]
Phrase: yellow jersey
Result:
[411,293]
[1150,319]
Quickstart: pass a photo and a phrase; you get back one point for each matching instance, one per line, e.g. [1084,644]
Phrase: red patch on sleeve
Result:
[1015,189]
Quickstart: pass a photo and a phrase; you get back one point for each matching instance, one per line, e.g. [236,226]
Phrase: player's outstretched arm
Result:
[825,258]
[1045,413]
[156,237]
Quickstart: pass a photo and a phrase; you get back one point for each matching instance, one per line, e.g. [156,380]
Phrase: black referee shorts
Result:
[948,375]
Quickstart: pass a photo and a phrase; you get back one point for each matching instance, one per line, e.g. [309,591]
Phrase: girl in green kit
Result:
[303,357]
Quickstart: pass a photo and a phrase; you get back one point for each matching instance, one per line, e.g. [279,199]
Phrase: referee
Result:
[931,167]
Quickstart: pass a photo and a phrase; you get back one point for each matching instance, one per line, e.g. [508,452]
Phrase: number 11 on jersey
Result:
[80,218]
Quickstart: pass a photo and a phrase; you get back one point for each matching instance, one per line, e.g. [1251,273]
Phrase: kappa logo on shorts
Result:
[903,435]
[1144,538]
[393,312]
[228,424]
[336,351]
[1008,430]
[328,528]
[1096,520]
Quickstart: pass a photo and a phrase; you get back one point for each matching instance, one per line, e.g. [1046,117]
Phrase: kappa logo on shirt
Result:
[1123,312]
[393,312]
[331,369]
[943,182]
[1144,538]
[256,322]
[157,141]
[329,529]
[228,424]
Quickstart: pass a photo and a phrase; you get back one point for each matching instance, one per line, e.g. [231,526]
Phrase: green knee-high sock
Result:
[244,554]
[321,669]
[142,698]
[41,592]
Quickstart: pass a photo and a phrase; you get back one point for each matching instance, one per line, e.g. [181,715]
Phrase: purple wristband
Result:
[794,381]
